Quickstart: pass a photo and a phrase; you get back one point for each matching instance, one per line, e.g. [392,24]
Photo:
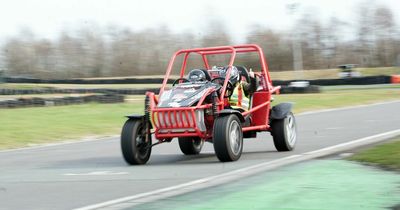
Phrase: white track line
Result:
[141,198]
[66,142]
[116,136]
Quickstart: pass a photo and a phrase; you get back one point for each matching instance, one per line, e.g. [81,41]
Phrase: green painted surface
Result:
[319,184]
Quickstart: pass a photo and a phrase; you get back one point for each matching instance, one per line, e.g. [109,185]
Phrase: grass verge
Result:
[386,155]
[27,126]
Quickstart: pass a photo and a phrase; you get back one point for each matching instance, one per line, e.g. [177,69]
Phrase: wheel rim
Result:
[234,138]
[291,130]
[141,144]
[197,143]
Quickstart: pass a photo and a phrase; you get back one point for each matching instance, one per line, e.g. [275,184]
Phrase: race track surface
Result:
[80,174]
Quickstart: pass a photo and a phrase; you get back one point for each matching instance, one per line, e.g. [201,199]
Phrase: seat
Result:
[208,76]
[243,73]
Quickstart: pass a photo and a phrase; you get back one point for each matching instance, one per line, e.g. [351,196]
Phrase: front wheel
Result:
[284,133]
[135,142]
[190,145]
[228,138]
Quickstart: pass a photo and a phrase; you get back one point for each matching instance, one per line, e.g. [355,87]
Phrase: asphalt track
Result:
[74,175]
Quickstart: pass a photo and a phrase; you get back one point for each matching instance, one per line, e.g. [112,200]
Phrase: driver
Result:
[197,75]
[242,90]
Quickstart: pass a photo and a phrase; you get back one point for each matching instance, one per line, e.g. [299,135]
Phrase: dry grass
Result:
[6,97]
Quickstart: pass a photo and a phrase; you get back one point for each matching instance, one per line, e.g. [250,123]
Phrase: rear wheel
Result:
[135,142]
[284,133]
[228,138]
[190,145]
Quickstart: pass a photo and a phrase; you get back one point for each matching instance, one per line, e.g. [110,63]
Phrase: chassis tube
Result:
[256,108]
[258,127]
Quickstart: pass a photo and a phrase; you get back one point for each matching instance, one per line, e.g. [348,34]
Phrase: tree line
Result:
[372,40]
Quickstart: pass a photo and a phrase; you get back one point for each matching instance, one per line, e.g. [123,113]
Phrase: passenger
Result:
[242,90]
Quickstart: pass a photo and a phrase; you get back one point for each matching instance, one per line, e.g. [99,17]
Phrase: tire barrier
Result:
[70,100]
[105,98]
[87,81]
[308,89]
[284,89]
[125,91]
[371,80]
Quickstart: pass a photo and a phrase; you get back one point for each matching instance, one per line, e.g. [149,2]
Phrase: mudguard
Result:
[135,116]
[281,110]
[231,111]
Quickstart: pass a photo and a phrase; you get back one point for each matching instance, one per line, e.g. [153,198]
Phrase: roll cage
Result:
[165,116]
[232,50]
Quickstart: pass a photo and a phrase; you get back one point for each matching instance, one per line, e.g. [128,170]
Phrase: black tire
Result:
[136,148]
[225,129]
[190,145]
[284,133]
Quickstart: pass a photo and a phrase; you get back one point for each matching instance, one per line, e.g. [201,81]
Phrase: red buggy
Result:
[199,111]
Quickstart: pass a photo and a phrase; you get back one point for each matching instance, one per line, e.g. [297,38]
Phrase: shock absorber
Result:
[214,103]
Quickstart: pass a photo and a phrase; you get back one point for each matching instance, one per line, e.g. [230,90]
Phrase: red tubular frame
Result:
[190,127]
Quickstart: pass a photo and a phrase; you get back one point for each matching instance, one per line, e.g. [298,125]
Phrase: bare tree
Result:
[93,51]
[384,26]
[276,46]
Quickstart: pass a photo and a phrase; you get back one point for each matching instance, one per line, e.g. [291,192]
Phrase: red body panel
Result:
[262,114]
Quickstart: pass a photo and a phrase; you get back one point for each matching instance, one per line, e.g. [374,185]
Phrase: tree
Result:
[384,27]
[277,48]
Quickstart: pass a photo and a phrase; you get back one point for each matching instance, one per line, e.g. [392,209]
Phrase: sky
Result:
[47,18]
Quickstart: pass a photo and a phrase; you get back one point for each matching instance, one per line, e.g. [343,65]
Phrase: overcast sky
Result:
[48,17]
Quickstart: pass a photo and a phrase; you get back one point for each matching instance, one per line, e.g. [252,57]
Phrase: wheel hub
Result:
[291,130]
[234,137]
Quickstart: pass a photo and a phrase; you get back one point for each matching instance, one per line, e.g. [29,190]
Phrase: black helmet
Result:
[234,77]
[197,75]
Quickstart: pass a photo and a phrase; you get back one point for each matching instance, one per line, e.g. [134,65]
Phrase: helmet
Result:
[234,77]
[196,75]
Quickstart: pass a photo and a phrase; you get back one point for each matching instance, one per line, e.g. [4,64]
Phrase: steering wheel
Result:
[178,80]
[229,85]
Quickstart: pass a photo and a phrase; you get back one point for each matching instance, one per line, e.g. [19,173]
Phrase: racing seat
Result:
[208,76]
[243,73]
